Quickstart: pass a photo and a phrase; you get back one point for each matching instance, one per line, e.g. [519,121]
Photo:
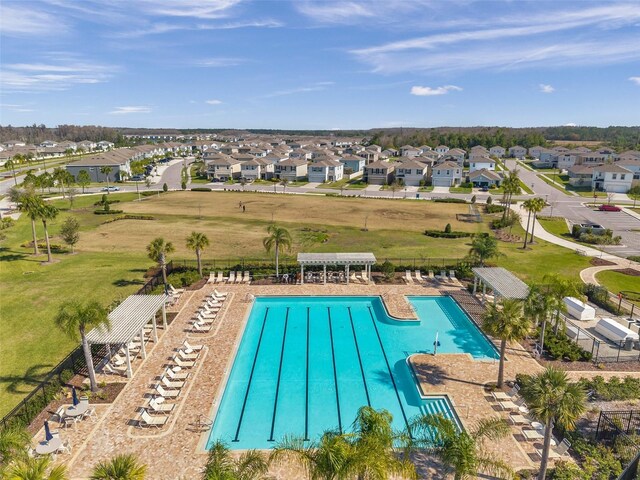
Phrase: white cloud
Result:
[129,110]
[213,102]
[544,88]
[216,62]
[429,91]
[635,80]
[22,20]
[571,124]
[351,12]
[316,87]
[202,9]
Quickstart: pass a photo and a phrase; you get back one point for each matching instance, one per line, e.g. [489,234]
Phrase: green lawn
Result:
[111,258]
[354,184]
[556,226]
[426,189]
[195,177]
[616,281]
[460,190]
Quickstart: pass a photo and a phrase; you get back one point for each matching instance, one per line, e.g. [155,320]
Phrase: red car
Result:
[609,208]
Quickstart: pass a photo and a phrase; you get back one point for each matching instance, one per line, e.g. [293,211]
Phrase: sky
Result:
[308,64]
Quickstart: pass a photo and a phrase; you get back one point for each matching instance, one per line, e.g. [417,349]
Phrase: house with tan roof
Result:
[611,178]
[412,173]
[292,169]
[497,151]
[517,151]
[257,169]
[580,175]
[325,170]
[446,174]
[485,178]
[441,149]
[482,163]
[223,168]
[379,173]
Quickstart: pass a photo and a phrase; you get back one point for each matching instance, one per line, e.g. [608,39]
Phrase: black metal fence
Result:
[602,351]
[632,472]
[619,429]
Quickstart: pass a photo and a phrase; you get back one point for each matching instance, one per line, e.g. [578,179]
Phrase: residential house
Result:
[379,173]
[118,162]
[409,151]
[257,169]
[611,178]
[87,145]
[517,151]
[228,149]
[375,148]
[441,149]
[292,169]
[300,153]
[482,163]
[446,174]
[580,175]
[15,143]
[68,146]
[628,155]
[593,158]
[457,154]
[565,160]
[485,178]
[535,151]
[224,168]
[325,170]
[634,167]
[104,145]
[389,152]
[352,163]
[369,155]
[412,173]
[497,151]
[48,144]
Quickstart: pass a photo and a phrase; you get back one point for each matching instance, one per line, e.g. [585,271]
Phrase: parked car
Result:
[110,189]
[609,208]
[137,178]
[484,189]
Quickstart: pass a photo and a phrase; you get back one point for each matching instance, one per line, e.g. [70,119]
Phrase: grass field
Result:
[555,225]
[616,281]
[111,258]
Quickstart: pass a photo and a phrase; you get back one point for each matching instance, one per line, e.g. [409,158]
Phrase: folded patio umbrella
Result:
[47,432]
[75,396]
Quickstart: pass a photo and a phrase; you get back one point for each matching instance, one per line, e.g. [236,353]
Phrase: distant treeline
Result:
[621,138]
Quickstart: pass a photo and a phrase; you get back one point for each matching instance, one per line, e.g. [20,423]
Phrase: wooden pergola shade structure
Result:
[335,259]
[503,283]
[127,321]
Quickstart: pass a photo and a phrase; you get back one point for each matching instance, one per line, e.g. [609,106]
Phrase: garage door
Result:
[441,182]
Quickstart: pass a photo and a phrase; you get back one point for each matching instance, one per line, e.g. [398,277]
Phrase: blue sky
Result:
[319,64]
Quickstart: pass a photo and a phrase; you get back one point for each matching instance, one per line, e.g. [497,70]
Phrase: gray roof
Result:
[127,319]
[502,282]
[336,258]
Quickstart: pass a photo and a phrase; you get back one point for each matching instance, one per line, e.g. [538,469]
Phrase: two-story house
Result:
[441,149]
[292,169]
[412,173]
[257,169]
[352,163]
[223,168]
[325,170]
[611,178]
[457,154]
[480,163]
[497,151]
[517,151]
[379,173]
[446,174]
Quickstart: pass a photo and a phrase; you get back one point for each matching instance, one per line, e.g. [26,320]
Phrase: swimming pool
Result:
[307,364]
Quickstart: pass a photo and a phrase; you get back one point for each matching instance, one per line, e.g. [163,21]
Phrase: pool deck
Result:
[176,450]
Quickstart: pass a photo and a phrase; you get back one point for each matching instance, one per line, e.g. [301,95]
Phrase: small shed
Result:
[615,332]
[579,309]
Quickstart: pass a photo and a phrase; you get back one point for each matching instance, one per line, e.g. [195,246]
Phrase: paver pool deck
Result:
[176,450]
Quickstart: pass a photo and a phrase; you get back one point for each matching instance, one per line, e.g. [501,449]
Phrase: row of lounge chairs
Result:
[117,364]
[156,412]
[234,277]
[208,311]
[174,294]
[518,415]
[430,277]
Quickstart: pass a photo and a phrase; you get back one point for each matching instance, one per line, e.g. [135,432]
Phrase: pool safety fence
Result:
[619,429]
[602,351]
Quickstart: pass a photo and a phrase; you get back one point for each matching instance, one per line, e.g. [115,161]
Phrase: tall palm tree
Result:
[537,305]
[553,400]
[120,467]
[11,163]
[12,444]
[537,207]
[251,465]
[484,246]
[47,212]
[31,204]
[106,171]
[327,459]
[558,288]
[279,237]
[197,242]
[75,320]
[28,468]
[510,186]
[158,250]
[528,206]
[507,322]
[463,452]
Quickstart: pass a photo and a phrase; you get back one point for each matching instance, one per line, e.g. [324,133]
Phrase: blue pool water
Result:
[307,364]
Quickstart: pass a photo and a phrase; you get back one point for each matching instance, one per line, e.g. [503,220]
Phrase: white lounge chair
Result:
[508,405]
[183,363]
[431,275]
[246,278]
[238,277]
[176,376]
[206,314]
[167,393]
[557,452]
[502,396]
[147,420]
[195,348]
[219,295]
[452,275]
[172,385]
[407,277]
[418,276]
[365,277]
[65,447]
[198,328]
[212,277]
[156,407]
[232,277]
[90,413]
[112,370]
[518,419]
[189,357]
[175,291]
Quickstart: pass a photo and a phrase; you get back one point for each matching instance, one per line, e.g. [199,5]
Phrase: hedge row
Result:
[449,200]
[441,234]
[129,217]
[108,212]
[201,189]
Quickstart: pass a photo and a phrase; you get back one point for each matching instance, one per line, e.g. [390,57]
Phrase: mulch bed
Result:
[108,394]
[599,262]
[629,271]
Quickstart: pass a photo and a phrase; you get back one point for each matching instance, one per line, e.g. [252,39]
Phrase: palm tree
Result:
[279,237]
[537,305]
[158,251]
[484,246]
[12,443]
[31,204]
[251,465]
[75,319]
[120,467]
[83,179]
[28,468]
[327,459]
[47,212]
[11,163]
[506,322]
[463,452]
[197,242]
[106,170]
[528,206]
[557,289]
[553,400]
[510,185]
[538,206]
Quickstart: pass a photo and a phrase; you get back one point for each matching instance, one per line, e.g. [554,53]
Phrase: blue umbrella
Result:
[75,396]
[47,432]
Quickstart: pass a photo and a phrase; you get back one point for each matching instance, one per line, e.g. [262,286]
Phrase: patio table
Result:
[47,448]
[77,410]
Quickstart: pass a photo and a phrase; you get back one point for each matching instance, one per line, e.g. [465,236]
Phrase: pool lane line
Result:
[355,339]
[335,374]
[395,387]
[275,402]
[306,392]
[253,367]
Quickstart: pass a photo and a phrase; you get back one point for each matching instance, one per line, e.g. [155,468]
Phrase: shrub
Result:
[439,234]
[447,228]
[559,347]
[165,187]
[490,208]
[450,200]
[600,296]
[615,389]
[388,269]
[66,375]
[473,199]
[103,201]
[634,258]
[183,277]
[503,222]
[183,185]
[466,185]
[489,200]
[201,189]
[108,212]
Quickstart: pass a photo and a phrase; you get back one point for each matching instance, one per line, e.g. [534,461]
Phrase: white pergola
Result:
[127,321]
[346,259]
[503,283]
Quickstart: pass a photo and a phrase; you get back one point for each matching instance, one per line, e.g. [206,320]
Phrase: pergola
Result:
[503,283]
[346,259]
[127,321]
